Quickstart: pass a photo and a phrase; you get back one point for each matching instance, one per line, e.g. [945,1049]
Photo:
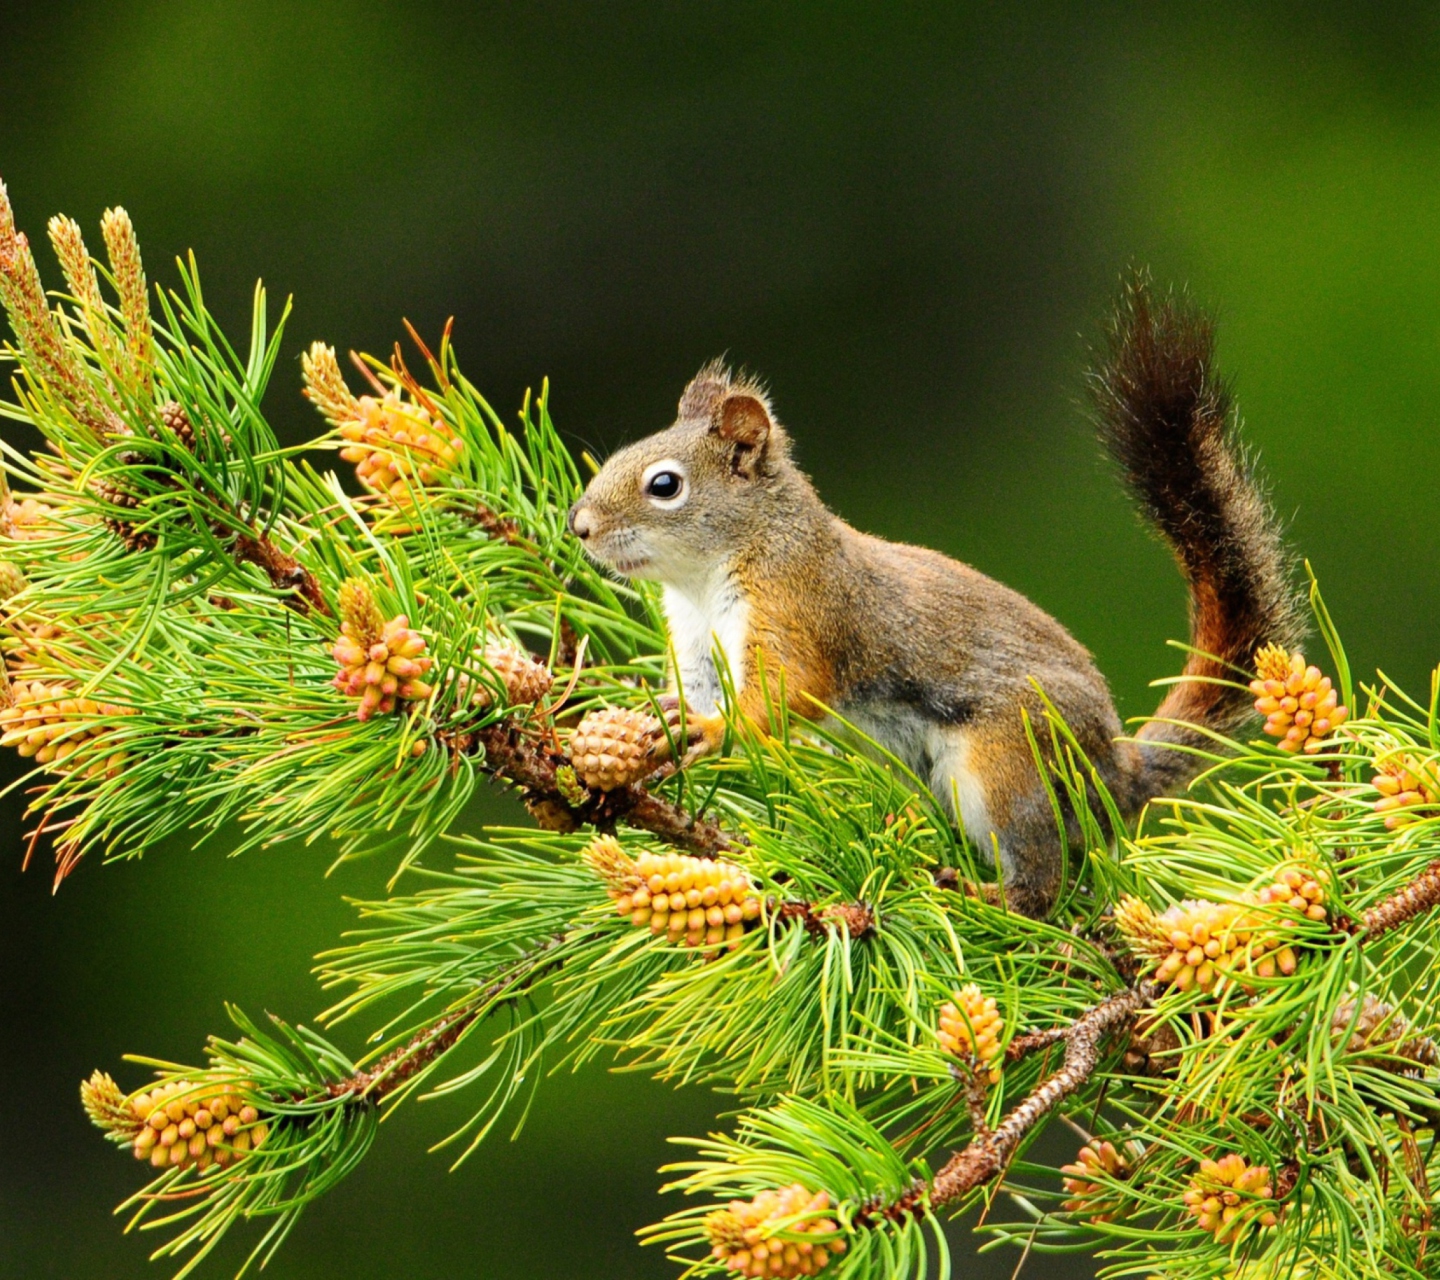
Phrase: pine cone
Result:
[1383,1033]
[971,1028]
[178,1123]
[523,678]
[1300,706]
[1228,1195]
[380,662]
[47,723]
[697,901]
[614,746]
[1085,1180]
[747,1238]
[173,415]
[1407,787]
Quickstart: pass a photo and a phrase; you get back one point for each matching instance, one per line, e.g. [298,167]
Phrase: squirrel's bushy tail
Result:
[1168,420]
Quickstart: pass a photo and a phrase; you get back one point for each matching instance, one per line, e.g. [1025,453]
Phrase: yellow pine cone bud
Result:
[108,1107]
[12,581]
[1197,943]
[1407,787]
[395,445]
[1298,889]
[756,1237]
[1085,1181]
[380,662]
[693,901]
[25,518]
[1378,1029]
[49,724]
[178,1123]
[971,1028]
[1300,706]
[523,678]
[614,746]
[1228,1195]
[1141,927]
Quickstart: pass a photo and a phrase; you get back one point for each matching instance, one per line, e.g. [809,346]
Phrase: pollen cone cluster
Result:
[614,746]
[523,679]
[1228,1195]
[26,518]
[49,724]
[396,446]
[1407,788]
[756,1238]
[694,901]
[177,1124]
[1085,1183]
[380,661]
[971,1027]
[1300,706]
[1380,1032]
[1196,943]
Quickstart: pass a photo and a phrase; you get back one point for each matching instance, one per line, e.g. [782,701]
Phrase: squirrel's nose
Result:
[579,521]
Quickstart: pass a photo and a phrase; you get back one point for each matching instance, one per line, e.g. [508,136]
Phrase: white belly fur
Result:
[938,755]
[700,617]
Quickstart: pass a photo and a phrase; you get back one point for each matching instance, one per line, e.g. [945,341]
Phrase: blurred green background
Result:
[908,217]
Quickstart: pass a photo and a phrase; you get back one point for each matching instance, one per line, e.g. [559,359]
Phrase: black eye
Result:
[664,484]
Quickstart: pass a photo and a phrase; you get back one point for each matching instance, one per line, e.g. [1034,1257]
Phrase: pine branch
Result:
[988,1154]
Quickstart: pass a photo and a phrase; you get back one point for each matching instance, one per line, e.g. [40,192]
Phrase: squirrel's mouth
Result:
[629,567]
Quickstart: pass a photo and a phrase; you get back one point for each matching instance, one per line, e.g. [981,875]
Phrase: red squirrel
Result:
[927,656]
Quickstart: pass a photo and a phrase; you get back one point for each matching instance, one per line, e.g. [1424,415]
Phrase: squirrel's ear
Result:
[743,422]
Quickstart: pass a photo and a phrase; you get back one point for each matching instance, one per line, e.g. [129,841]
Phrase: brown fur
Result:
[928,656]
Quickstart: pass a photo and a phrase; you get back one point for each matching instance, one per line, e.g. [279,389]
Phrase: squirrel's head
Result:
[675,504]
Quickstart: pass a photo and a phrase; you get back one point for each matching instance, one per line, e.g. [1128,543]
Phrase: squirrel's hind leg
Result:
[985,777]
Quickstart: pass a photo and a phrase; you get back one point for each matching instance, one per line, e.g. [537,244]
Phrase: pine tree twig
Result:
[1420,895]
[502,528]
[283,570]
[856,918]
[531,765]
[885,1209]
[989,1153]
[401,1064]
[1028,1043]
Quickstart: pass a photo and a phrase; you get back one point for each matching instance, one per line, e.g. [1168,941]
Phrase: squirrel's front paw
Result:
[703,734]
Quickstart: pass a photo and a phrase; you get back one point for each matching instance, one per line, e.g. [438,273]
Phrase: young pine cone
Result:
[746,1237]
[614,746]
[1085,1181]
[1407,787]
[1228,1195]
[47,723]
[379,661]
[178,1123]
[1300,706]
[971,1028]
[697,901]
[524,680]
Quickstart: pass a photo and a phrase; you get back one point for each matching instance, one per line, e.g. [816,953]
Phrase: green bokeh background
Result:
[908,217]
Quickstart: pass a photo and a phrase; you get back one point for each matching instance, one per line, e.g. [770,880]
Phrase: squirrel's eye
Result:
[664,484]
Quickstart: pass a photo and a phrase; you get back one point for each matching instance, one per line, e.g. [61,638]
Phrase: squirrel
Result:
[928,657]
